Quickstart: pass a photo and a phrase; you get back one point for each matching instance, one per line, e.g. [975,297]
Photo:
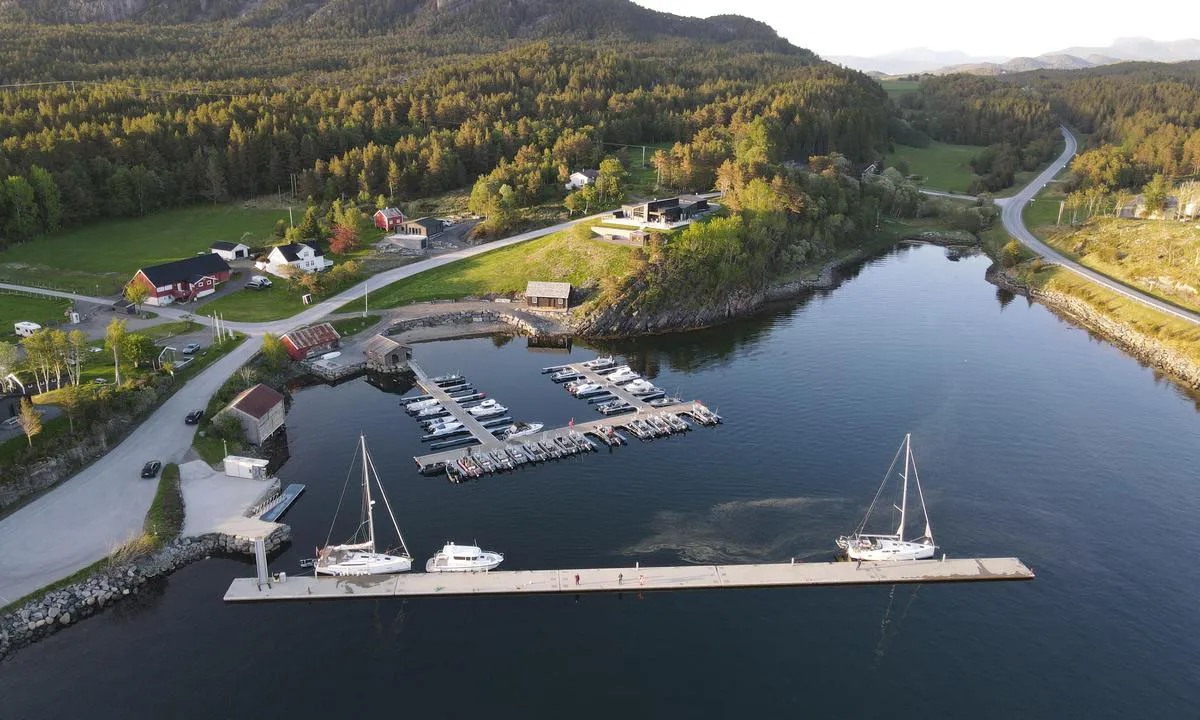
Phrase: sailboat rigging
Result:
[360,557]
[861,545]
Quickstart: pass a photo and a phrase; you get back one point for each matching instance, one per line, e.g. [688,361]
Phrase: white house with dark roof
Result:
[304,256]
[230,250]
[579,178]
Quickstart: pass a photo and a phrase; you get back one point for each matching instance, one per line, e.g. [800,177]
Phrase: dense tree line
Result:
[72,154]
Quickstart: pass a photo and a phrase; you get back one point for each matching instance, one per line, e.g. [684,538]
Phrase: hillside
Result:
[498,19]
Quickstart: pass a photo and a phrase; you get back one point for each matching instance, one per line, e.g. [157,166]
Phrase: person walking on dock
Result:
[620,578]
[576,578]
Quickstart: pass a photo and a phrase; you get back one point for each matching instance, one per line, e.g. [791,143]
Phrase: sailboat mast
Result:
[367,494]
[904,494]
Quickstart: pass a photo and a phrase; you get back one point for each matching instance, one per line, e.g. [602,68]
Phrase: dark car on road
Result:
[193,417]
[151,469]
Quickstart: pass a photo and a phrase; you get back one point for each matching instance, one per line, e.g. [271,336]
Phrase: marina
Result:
[628,579]
[281,504]
[458,421]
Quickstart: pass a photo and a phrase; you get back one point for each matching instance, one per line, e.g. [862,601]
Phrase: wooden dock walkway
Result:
[630,579]
[489,442]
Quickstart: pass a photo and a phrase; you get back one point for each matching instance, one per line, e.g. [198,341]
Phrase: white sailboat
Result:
[361,557]
[867,546]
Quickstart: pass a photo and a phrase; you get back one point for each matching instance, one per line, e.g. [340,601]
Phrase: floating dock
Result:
[488,442]
[629,579]
[281,504]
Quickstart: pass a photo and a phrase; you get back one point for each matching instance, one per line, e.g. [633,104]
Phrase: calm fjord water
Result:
[1033,440]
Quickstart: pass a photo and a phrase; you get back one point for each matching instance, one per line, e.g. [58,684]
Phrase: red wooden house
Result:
[182,280]
[310,341]
[389,218]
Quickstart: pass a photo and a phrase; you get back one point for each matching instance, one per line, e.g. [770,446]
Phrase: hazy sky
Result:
[1012,28]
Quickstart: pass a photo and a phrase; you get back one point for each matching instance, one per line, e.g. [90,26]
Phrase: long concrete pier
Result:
[629,579]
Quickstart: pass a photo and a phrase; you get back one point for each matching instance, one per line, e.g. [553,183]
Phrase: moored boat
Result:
[463,558]
[861,545]
[521,429]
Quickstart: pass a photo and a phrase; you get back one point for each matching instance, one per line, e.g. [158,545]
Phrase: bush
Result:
[227,427]
[1010,254]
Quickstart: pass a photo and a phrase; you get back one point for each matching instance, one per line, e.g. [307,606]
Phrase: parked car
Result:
[95,349]
[193,417]
[190,348]
[151,469]
[100,381]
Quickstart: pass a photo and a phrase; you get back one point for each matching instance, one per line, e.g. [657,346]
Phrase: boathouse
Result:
[260,411]
[548,295]
[386,355]
[309,341]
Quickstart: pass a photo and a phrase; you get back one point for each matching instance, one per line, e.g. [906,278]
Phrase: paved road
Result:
[85,518]
[1011,216]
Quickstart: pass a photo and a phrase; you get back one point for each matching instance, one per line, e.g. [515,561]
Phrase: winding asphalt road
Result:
[86,517]
[1011,216]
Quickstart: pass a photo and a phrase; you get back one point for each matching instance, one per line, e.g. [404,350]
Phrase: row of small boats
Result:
[477,463]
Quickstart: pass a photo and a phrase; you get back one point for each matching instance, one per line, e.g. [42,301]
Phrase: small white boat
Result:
[446,429]
[623,376]
[431,411]
[463,558]
[521,429]
[331,355]
[420,405]
[893,546]
[362,558]
[585,388]
[487,408]
[599,363]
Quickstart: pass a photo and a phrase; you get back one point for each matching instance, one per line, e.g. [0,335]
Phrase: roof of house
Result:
[226,245]
[538,288]
[381,345]
[391,212]
[188,269]
[312,336]
[256,401]
[430,224]
[590,174]
[291,251]
[656,204]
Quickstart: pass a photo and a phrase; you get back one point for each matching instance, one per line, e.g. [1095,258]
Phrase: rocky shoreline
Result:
[614,322]
[61,608]
[1144,348]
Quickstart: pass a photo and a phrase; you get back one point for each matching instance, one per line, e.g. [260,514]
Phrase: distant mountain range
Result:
[924,60]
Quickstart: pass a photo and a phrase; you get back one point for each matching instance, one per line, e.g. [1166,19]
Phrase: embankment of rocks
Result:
[68,605]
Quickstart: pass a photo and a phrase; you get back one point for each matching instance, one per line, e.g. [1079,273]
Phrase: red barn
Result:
[389,218]
[182,280]
[309,341]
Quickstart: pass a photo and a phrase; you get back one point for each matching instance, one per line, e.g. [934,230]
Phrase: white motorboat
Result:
[431,411]
[463,558]
[359,556]
[585,388]
[447,429]
[640,387]
[868,546]
[431,425]
[420,405]
[521,429]
[487,408]
[605,361]
[623,375]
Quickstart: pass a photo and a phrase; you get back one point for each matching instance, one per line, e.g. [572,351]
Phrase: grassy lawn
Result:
[1161,258]
[211,448]
[169,329]
[164,519]
[1042,212]
[52,430]
[350,326]
[944,166]
[559,256]
[100,257]
[245,305]
[897,89]
[15,308]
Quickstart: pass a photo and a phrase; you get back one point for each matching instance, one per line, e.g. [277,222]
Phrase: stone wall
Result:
[529,324]
[1145,348]
[66,606]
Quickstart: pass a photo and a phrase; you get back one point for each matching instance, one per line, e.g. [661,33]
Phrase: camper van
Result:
[25,328]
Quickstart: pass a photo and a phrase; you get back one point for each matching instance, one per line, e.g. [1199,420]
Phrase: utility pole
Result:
[290,222]
[366,290]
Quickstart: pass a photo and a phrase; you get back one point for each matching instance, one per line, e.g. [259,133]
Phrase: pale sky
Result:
[1013,28]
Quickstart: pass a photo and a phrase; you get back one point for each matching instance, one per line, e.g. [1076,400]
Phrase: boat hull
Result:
[890,551]
[365,563]
[491,563]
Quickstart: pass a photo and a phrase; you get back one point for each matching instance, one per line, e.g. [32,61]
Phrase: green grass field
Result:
[350,326]
[15,308]
[273,303]
[944,166]
[102,256]
[897,89]
[560,257]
